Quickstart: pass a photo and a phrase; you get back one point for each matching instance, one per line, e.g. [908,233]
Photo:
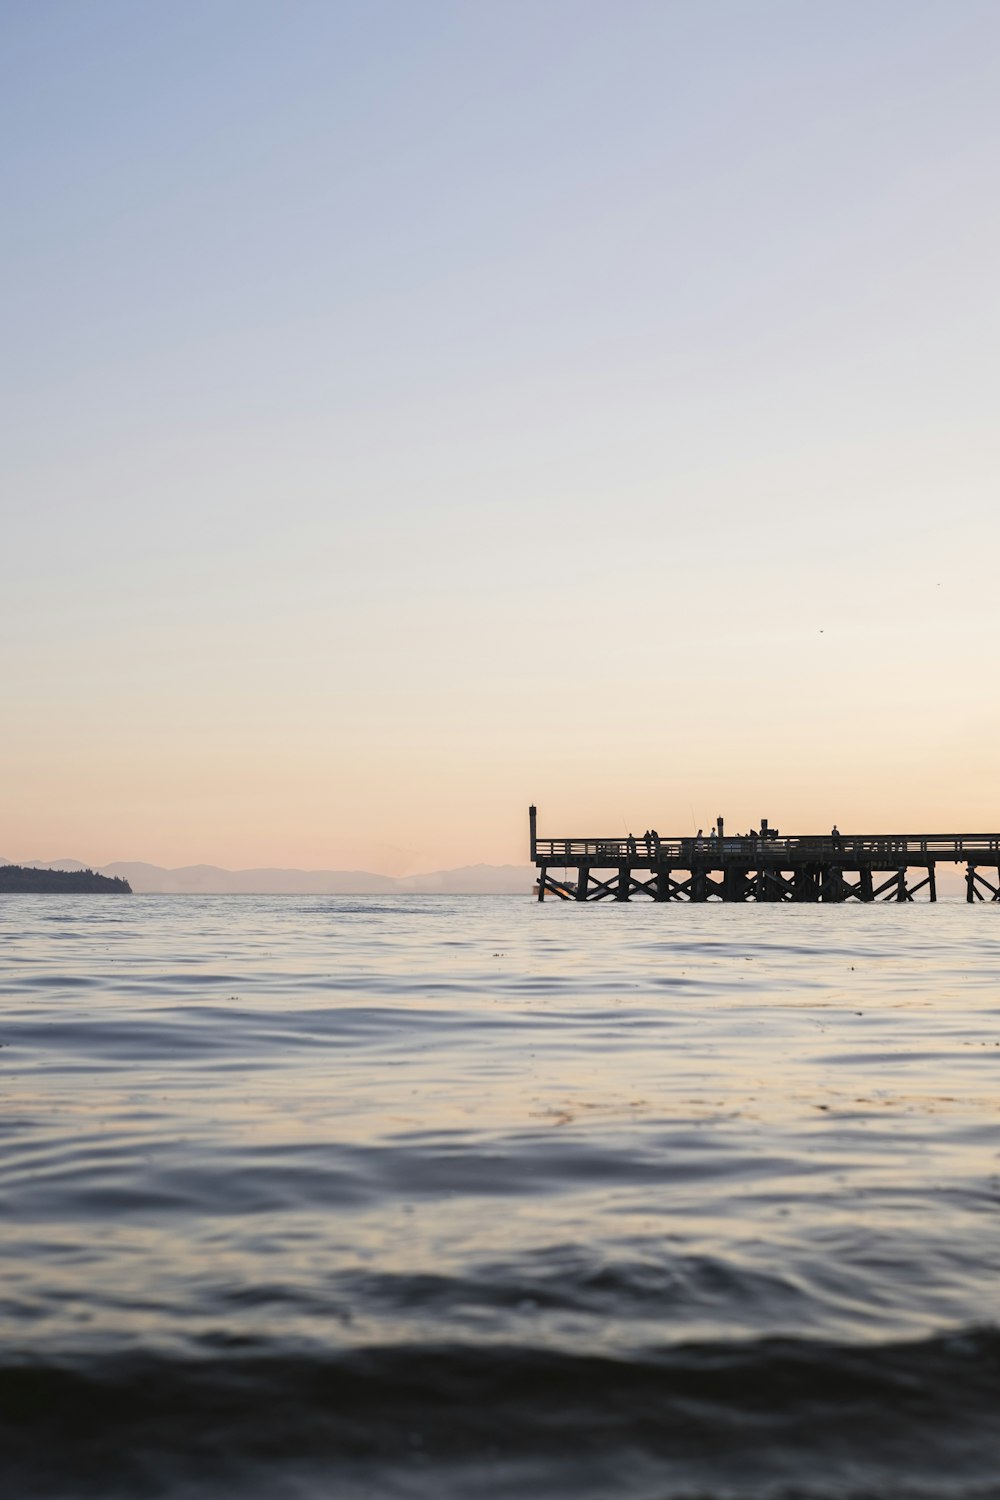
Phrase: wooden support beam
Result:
[542,873]
[894,887]
[980,880]
[932,880]
[599,889]
[777,886]
[624,883]
[581,884]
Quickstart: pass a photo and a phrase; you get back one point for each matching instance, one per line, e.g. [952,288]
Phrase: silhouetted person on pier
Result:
[647,839]
[656,841]
[631,846]
[835,838]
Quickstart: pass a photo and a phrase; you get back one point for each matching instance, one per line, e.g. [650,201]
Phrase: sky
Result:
[410,412]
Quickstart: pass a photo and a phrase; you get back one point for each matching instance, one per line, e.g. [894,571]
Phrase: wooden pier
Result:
[762,866]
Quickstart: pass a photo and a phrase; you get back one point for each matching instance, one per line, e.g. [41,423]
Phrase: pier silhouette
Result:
[762,866]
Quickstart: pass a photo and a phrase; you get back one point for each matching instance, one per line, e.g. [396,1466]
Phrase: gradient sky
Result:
[414,410]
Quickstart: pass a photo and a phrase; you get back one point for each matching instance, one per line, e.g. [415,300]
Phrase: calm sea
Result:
[334,1197]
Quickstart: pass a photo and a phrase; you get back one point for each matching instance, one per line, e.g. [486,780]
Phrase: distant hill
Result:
[44,864]
[213,880]
[30,880]
[468,880]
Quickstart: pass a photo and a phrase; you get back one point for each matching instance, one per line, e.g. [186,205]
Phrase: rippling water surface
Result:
[338,1197]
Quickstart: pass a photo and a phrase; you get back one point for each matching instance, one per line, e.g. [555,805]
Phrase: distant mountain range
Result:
[469,880]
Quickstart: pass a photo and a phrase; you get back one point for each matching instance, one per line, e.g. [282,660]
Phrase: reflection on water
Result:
[327,1196]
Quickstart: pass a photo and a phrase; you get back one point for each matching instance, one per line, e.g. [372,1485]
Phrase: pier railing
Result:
[822,848]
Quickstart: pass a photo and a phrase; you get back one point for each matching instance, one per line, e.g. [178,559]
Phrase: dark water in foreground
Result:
[327,1197]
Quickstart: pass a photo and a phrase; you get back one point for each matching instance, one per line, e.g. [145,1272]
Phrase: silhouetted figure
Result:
[656,841]
[647,839]
[631,847]
[835,839]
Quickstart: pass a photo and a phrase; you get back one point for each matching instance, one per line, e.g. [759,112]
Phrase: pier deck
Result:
[764,867]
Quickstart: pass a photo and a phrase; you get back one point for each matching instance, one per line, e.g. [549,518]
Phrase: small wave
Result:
[775,1417]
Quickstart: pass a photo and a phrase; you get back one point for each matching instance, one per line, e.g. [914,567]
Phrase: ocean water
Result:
[339,1197]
